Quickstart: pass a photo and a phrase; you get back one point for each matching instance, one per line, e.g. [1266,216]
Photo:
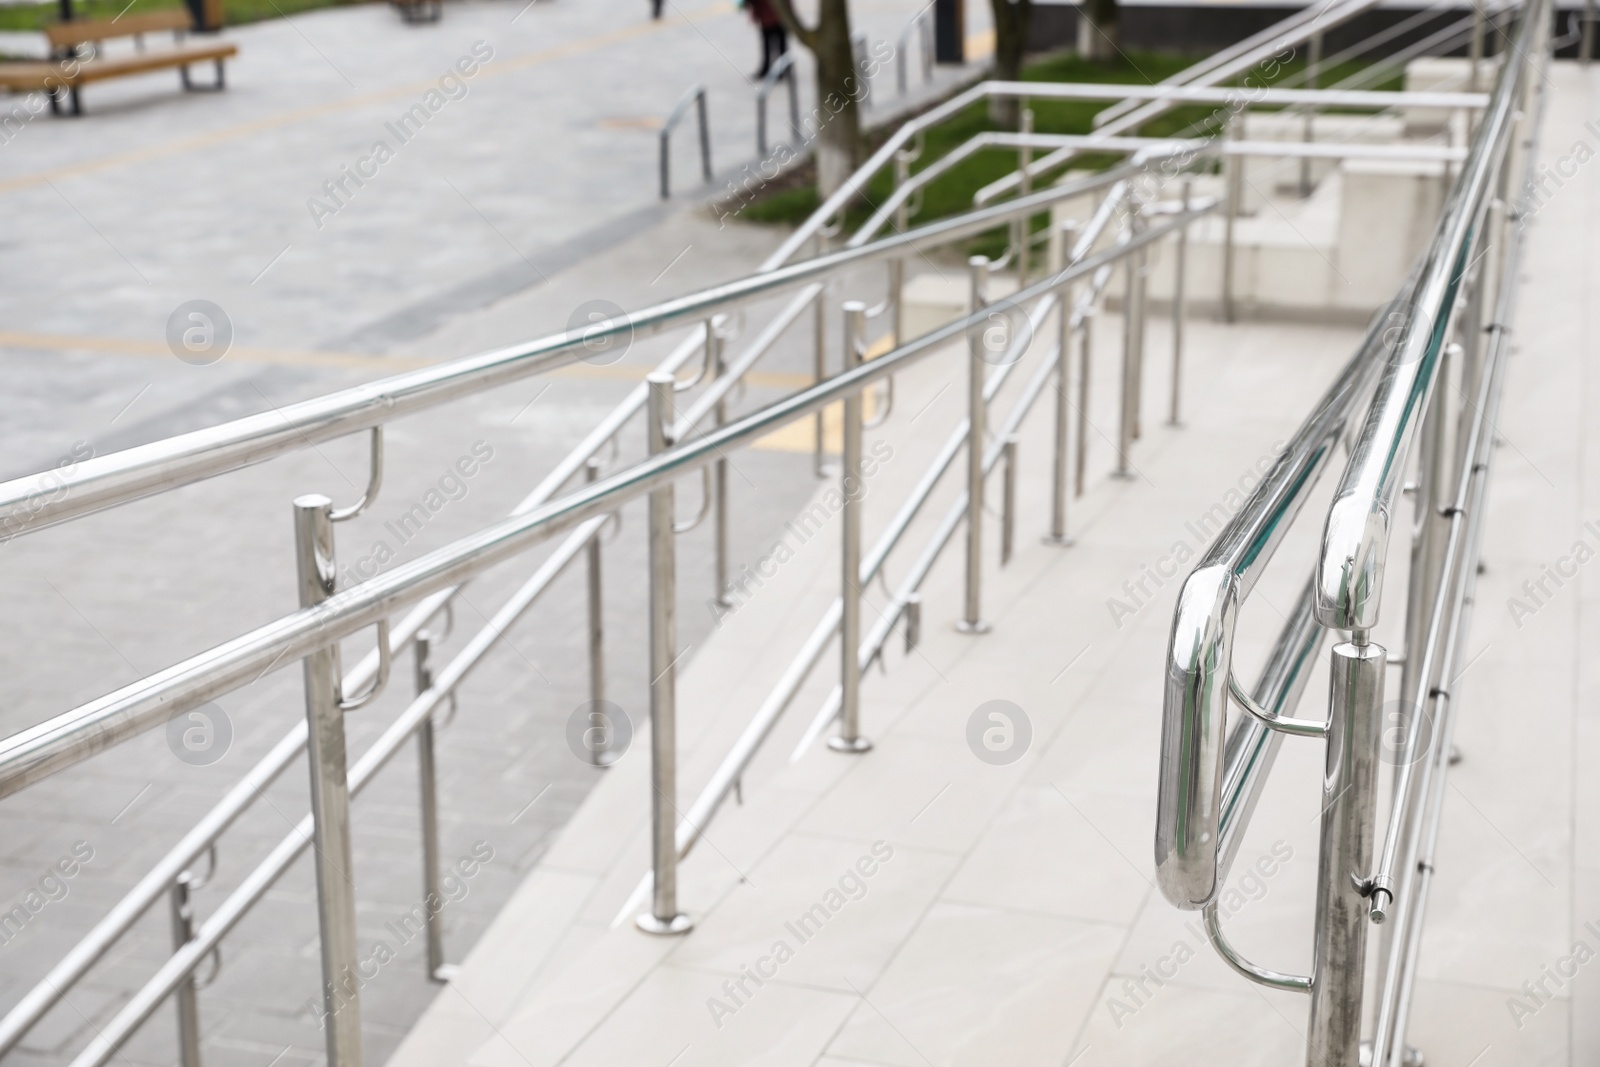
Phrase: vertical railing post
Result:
[1180,269]
[663,916]
[849,738]
[1132,341]
[1008,499]
[1024,230]
[1080,453]
[1140,263]
[972,621]
[597,618]
[897,265]
[1475,49]
[1348,805]
[428,791]
[1430,524]
[1234,167]
[330,792]
[185,996]
[796,131]
[819,328]
[705,134]
[1058,459]
[717,361]
[1313,76]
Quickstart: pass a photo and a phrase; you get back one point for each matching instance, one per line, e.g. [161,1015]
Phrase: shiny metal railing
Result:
[783,70]
[329,613]
[695,95]
[1390,399]
[427,585]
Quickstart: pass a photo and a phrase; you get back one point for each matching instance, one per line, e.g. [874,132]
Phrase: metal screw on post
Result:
[663,916]
[597,624]
[330,791]
[1179,270]
[849,738]
[188,1003]
[1349,795]
[428,779]
[1068,230]
[972,621]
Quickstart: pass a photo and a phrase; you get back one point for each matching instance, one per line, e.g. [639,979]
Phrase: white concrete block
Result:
[1265,175]
[1389,210]
[1443,74]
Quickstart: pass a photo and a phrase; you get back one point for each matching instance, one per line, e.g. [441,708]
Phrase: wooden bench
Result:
[75,60]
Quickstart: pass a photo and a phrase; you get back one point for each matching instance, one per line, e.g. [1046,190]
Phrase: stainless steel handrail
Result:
[67,739]
[1268,42]
[1191,799]
[696,95]
[1449,612]
[783,68]
[1211,776]
[36,502]
[1356,536]
[109,1038]
[729,772]
[1263,43]
[94,945]
[184,961]
[1167,95]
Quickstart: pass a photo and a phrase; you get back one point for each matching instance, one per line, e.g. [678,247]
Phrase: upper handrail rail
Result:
[65,740]
[1273,35]
[1355,538]
[35,502]
[1177,94]
[1291,30]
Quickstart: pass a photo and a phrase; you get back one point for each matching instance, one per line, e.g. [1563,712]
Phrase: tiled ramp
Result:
[919,905]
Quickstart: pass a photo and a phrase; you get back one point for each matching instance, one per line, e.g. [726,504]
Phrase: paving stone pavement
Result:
[527,196]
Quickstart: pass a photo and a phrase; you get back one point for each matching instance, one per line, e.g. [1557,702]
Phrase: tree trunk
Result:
[1098,35]
[1011,19]
[835,122]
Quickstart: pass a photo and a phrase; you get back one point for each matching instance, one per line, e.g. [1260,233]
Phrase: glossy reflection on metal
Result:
[1189,801]
[1294,983]
[1355,538]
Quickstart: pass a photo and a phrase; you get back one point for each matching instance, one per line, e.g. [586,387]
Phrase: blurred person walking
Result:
[774,38]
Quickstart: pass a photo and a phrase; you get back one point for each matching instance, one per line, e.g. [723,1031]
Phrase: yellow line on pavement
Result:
[289,118]
[121,346]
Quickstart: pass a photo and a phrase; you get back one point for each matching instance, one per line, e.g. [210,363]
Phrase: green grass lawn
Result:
[952,192]
[237,12]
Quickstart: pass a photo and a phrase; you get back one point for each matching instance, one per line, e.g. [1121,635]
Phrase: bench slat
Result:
[61,34]
[34,75]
